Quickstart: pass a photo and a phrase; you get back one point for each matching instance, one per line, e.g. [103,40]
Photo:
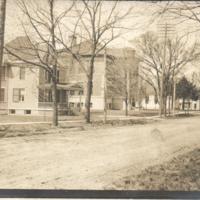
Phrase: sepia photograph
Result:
[100,95]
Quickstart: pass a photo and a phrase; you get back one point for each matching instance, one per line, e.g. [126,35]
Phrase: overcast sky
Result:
[143,13]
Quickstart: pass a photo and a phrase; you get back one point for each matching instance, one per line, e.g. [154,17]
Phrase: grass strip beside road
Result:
[180,173]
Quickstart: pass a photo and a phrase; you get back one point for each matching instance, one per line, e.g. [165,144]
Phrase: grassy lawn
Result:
[180,173]
[94,115]
[22,118]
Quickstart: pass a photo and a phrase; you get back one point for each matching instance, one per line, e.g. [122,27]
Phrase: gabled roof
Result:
[22,47]
[83,48]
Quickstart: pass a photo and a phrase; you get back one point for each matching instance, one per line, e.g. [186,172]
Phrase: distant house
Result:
[189,105]
[149,101]
[147,98]
[26,89]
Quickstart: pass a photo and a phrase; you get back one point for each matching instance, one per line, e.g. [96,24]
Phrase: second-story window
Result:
[22,72]
[80,92]
[58,76]
[3,74]
[18,94]
[47,76]
[72,92]
[2,95]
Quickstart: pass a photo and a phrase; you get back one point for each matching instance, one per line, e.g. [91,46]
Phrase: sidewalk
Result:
[97,118]
[109,117]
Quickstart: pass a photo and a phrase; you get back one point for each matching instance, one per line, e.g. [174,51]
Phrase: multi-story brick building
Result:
[26,89]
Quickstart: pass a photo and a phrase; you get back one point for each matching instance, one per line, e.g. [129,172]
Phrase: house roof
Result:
[85,48]
[121,52]
[66,86]
[22,47]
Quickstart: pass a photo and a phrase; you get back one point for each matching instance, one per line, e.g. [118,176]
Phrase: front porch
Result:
[64,91]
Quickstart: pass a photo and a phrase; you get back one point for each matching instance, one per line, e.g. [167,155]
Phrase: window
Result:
[22,73]
[58,76]
[146,99]
[80,92]
[155,99]
[41,95]
[47,77]
[71,105]
[27,112]
[12,111]
[45,95]
[2,95]
[3,74]
[72,92]
[58,96]
[18,95]
[50,98]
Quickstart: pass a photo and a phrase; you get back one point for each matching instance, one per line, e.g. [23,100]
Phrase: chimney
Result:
[72,40]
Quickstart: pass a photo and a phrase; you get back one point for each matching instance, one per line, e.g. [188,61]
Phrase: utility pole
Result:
[162,74]
[166,28]
[127,91]
[138,87]
[174,97]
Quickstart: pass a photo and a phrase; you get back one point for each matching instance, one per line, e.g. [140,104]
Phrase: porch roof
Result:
[66,86]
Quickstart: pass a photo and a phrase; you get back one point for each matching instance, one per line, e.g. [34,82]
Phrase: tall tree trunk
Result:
[105,88]
[188,108]
[127,93]
[89,90]
[55,103]
[2,30]
[169,105]
[126,106]
[54,61]
[161,104]
[164,106]
[174,97]
[183,104]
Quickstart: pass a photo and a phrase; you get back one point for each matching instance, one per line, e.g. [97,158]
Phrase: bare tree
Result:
[2,28]
[122,77]
[99,24]
[43,23]
[177,55]
[185,12]
[196,78]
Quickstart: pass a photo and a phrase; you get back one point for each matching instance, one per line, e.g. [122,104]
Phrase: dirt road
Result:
[92,159]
